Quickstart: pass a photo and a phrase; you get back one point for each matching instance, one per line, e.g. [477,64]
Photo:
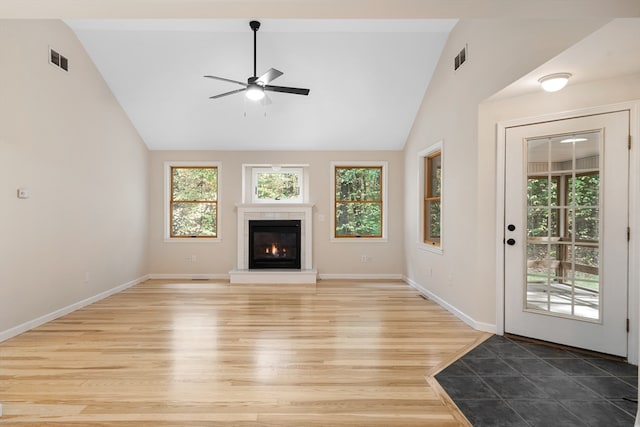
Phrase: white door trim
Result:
[634,210]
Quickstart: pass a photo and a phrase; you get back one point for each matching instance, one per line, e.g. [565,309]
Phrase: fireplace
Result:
[302,213]
[274,244]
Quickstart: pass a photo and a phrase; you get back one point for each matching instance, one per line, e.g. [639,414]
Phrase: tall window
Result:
[193,202]
[358,202]
[432,209]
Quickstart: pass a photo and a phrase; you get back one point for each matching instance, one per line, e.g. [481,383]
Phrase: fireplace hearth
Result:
[274,244]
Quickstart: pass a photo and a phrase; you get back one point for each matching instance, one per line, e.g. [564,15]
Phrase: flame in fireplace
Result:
[274,249]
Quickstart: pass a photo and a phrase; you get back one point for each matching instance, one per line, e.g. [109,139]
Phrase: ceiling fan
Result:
[255,86]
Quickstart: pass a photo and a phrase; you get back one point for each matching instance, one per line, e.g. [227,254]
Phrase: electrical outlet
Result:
[23,193]
[86,277]
[194,258]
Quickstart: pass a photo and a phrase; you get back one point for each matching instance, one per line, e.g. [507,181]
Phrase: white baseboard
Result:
[17,330]
[320,276]
[186,276]
[360,276]
[480,326]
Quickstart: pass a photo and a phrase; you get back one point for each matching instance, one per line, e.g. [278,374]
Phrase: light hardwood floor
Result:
[207,353]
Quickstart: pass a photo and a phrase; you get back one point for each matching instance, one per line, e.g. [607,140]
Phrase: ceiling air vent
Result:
[58,60]
[460,58]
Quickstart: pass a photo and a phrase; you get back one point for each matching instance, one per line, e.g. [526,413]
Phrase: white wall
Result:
[330,258]
[500,52]
[65,138]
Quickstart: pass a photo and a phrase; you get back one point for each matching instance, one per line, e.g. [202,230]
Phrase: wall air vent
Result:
[56,59]
[460,58]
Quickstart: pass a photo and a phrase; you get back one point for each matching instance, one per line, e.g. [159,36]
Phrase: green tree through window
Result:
[358,201]
[194,202]
[432,198]
[282,185]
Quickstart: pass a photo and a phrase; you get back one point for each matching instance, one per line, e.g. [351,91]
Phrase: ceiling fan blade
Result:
[228,93]
[269,76]
[293,90]
[227,80]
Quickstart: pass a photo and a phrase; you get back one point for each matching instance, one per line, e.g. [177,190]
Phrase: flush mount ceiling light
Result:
[554,82]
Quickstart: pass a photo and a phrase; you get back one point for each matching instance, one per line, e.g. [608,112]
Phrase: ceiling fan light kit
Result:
[255,85]
[255,92]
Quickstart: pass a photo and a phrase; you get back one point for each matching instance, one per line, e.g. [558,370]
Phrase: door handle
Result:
[511,242]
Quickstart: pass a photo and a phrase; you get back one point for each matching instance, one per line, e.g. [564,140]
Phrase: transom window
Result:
[192,201]
[277,185]
[359,201]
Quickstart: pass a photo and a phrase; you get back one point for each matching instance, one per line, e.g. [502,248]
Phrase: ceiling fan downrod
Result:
[255,26]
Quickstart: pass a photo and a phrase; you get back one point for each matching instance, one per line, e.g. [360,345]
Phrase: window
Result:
[429,198]
[192,195]
[359,201]
[432,198]
[277,185]
[558,206]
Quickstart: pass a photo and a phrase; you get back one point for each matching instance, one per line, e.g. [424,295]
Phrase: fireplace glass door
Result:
[274,244]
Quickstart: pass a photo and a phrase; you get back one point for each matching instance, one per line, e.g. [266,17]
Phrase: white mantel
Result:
[270,211]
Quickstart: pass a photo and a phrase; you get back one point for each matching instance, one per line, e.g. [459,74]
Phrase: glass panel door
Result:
[563,233]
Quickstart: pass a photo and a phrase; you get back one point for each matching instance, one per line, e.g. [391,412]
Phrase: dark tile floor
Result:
[506,382]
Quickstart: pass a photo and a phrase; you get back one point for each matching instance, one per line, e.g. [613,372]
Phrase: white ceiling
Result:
[367,80]
[367,63]
[611,51]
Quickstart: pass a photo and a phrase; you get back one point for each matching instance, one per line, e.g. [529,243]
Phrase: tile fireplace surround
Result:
[262,211]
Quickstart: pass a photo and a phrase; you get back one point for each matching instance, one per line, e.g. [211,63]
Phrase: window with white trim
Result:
[191,200]
[430,167]
[432,198]
[359,200]
[277,185]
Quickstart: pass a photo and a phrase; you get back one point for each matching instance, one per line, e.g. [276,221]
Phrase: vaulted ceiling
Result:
[367,79]
[368,63]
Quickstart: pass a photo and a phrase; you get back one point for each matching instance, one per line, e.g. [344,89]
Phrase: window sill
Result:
[192,240]
[430,248]
[359,240]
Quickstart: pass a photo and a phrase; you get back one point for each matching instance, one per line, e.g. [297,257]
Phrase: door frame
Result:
[633,300]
